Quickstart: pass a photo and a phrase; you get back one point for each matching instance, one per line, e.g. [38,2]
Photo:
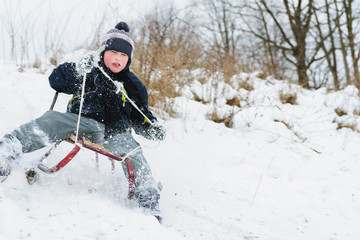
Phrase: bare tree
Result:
[271,53]
[167,47]
[354,52]
[343,45]
[294,33]
[220,23]
[164,40]
[9,23]
[329,50]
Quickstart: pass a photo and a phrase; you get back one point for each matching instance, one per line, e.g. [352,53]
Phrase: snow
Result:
[281,172]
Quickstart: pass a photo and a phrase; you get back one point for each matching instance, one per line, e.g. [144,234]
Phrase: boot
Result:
[148,200]
[5,169]
[10,150]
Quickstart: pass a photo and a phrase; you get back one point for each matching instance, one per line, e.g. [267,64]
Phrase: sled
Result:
[97,148]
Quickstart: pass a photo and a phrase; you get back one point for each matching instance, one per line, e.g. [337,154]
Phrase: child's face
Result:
[115,61]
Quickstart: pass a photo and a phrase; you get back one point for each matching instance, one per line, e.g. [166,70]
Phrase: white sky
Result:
[38,24]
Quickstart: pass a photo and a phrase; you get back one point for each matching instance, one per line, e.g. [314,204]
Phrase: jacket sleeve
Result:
[140,97]
[65,79]
[144,128]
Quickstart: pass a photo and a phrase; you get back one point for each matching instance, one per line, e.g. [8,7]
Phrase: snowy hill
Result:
[283,171]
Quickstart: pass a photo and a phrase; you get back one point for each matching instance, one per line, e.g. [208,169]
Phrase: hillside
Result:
[282,171]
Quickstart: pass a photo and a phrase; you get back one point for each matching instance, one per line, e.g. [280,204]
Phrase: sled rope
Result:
[79,116]
[120,88]
[132,152]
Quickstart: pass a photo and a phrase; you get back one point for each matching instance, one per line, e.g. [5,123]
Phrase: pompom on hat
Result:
[118,39]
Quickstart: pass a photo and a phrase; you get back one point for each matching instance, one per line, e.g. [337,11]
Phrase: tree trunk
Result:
[333,64]
[301,67]
[300,23]
[343,48]
[351,37]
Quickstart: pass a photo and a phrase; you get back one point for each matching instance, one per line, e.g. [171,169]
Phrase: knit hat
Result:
[118,39]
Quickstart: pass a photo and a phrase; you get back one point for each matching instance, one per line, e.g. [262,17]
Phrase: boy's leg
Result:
[146,191]
[50,127]
[55,126]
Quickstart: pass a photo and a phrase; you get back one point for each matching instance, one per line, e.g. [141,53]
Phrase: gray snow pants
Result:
[54,126]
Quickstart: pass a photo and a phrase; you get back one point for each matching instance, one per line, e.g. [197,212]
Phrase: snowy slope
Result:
[282,172]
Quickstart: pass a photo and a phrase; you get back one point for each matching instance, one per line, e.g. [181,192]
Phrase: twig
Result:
[257,188]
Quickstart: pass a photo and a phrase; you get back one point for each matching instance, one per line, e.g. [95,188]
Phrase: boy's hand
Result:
[157,132]
[86,63]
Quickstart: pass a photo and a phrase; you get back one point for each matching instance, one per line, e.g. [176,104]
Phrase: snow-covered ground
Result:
[281,172]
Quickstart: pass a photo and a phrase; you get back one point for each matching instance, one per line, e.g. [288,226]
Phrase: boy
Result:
[107,115]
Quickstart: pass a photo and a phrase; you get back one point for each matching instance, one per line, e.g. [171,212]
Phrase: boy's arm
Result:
[65,79]
[145,129]
[140,124]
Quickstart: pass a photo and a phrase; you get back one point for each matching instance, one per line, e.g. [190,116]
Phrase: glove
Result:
[86,63]
[157,132]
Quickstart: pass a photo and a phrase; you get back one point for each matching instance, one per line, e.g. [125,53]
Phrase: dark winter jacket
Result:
[101,102]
